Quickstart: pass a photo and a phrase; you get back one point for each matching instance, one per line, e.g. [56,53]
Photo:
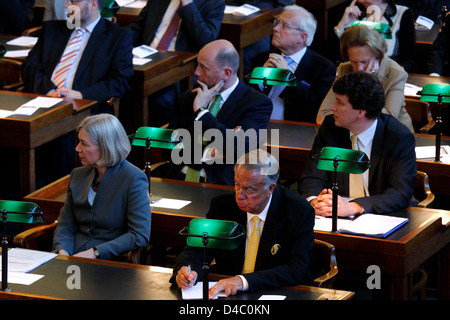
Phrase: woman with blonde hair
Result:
[363,49]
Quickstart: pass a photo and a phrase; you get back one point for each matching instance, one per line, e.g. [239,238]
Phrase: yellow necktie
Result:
[252,246]
[356,181]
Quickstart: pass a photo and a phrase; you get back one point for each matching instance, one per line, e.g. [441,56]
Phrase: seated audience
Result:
[293,33]
[388,184]
[438,57]
[402,47]
[107,209]
[283,221]
[364,49]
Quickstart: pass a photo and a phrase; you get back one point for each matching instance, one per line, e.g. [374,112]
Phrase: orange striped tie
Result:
[67,59]
[252,246]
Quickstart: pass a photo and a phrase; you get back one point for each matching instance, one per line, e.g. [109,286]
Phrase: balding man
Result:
[238,107]
[293,33]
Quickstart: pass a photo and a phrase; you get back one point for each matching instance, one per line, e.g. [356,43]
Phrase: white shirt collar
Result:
[226,93]
[366,137]
[262,215]
[297,57]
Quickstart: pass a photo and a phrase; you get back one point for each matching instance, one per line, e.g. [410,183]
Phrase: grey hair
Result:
[305,21]
[108,134]
[262,161]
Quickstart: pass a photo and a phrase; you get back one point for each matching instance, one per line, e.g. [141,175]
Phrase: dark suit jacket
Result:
[289,223]
[314,76]
[391,174]
[104,70]
[118,220]
[245,107]
[200,23]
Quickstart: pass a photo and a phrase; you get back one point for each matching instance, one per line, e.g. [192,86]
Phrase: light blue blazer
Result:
[119,219]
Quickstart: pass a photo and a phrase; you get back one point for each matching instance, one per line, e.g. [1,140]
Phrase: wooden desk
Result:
[403,251]
[106,280]
[165,69]
[26,133]
[244,31]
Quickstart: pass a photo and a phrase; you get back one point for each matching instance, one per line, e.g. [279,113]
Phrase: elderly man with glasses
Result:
[293,33]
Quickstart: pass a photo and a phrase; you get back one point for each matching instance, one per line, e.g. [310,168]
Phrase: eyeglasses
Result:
[277,21]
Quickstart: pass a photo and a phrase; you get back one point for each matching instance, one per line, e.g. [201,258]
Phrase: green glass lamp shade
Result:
[221,234]
[110,8]
[431,92]
[383,29]
[350,161]
[272,77]
[21,211]
[3,51]
[158,138]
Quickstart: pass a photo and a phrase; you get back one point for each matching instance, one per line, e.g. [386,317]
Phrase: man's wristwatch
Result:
[96,253]
[198,111]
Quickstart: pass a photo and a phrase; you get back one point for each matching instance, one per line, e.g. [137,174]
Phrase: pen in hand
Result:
[189,272]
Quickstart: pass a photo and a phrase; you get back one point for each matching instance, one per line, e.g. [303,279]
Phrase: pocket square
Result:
[275,249]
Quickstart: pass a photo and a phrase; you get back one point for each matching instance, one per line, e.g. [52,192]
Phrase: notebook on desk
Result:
[374,225]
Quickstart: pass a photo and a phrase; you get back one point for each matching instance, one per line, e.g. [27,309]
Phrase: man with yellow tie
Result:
[357,119]
[279,228]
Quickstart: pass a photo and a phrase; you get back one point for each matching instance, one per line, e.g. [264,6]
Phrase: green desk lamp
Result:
[110,8]
[341,160]
[437,93]
[383,29]
[272,77]
[15,211]
[156,138]
[213,234]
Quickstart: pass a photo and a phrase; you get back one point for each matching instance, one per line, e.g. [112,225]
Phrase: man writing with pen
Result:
[279,233]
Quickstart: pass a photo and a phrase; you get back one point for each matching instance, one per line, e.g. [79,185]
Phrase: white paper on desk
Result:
[140,62]
[424,23]
[124,3]
[272,297]
[17,53]
[196,292]
[22,278]
[424,152]
[136,4]
[25,110]
[411,90]
[143,51]
[5,113]
[245,10]
[25,260]
[171,203]
[325,223]
[23,41]
[42,102]
[374,225]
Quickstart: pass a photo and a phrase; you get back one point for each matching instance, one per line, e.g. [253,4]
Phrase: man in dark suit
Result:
[282,219]
[242,108]
[199,23]
[293,33]
[101,69]
[388,185]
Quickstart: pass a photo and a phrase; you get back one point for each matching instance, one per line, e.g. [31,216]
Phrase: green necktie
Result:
[215,106]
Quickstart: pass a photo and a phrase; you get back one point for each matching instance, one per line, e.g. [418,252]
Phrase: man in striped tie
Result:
[92,61]
[279,228]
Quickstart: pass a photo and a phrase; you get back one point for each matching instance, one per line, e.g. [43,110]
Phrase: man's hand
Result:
[229,286]
[70,93]
[86,254]
[323,205]
[185,279]
[205,94]
[276,61]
